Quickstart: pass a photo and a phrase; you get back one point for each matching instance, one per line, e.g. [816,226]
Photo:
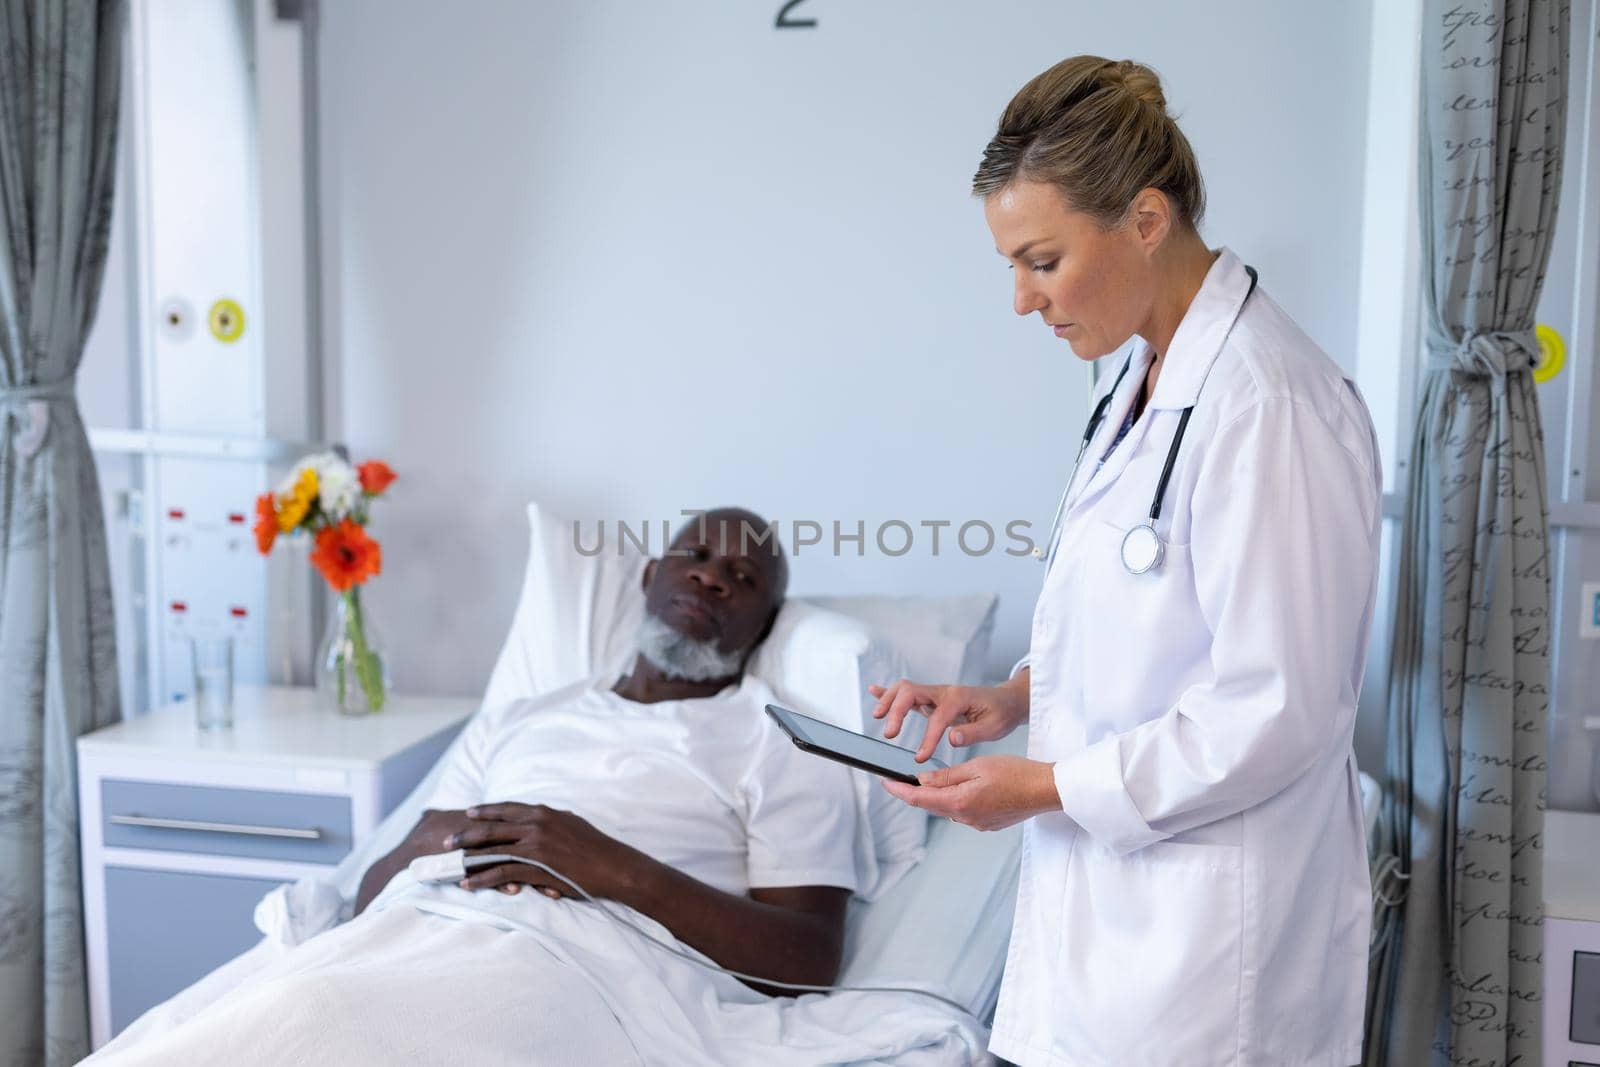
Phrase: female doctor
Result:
[1193,882]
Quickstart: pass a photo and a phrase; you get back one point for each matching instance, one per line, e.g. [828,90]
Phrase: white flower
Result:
[338,485]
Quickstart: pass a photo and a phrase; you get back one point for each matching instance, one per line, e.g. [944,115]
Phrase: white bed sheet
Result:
[947,922]
[944,926]
[433,978]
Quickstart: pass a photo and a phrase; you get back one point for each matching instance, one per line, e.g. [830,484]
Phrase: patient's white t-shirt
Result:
[708,786]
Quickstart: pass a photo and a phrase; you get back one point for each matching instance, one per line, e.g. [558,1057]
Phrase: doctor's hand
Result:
[560,839]
[986,793]
[973,713]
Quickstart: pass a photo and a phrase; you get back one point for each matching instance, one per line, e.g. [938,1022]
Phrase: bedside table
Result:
[184,830]
[1571,938]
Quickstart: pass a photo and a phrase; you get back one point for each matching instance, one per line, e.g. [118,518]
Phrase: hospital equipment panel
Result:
[222,377]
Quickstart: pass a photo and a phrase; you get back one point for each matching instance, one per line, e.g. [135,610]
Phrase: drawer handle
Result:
[312,834]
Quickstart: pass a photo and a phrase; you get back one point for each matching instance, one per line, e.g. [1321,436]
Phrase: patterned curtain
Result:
[59,80]
[1457,979]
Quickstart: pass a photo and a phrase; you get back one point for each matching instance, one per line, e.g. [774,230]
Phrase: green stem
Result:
[338,670]
[368,670]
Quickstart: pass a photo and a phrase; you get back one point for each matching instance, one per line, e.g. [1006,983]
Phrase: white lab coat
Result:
[1202,898]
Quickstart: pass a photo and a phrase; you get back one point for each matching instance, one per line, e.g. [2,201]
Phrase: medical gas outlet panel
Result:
[212,582]
[221,389]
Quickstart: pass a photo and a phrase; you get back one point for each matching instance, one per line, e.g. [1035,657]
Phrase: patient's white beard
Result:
[679,656]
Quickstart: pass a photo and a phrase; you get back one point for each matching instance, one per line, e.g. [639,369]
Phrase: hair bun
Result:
[1137,79]
[1098,130]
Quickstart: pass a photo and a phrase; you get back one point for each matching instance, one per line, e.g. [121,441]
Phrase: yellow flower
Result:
[293,507]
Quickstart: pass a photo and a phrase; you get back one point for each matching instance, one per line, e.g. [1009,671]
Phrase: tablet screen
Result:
[847,746]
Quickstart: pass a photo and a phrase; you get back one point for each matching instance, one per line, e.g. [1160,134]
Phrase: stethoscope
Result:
[1142,548]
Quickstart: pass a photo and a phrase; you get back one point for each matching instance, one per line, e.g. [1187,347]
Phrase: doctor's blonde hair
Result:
[1098,130]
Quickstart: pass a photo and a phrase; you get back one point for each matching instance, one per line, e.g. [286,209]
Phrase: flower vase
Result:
[352,674]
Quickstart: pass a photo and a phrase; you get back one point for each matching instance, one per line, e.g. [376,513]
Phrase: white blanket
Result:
[568,985]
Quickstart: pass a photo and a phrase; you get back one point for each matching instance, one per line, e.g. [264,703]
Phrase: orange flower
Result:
[376,476]
[346,556]
[266,527]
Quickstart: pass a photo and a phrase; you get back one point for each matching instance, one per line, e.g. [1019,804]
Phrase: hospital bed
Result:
[963,887]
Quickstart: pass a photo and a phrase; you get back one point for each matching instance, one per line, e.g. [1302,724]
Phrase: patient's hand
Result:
[427,838]
[783,933]
[433,831]
[560,839]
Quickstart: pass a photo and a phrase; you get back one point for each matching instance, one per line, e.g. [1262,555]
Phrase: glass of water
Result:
[213,681]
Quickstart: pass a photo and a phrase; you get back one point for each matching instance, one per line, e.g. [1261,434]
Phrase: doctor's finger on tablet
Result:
[977,711]
[898,699]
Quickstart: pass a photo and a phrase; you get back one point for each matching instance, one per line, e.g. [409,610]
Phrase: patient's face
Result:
[712,588]
[1090,285]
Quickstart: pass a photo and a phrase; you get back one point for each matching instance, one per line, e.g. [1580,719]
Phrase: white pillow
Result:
[577,617]
[944,639]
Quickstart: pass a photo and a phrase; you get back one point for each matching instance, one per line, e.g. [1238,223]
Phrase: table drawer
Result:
[165,929]
[299,827]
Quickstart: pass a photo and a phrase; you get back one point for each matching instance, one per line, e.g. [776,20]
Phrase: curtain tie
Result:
[37,398]
[48,391]
[1489,354]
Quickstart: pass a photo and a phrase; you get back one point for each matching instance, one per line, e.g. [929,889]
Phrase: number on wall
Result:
[784,22]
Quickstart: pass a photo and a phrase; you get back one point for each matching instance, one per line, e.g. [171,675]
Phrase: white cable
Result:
[1386,873]
[1387,868]
[452,865]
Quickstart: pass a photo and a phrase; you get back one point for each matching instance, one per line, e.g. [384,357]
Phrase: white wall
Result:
[1389,316]
[629,258]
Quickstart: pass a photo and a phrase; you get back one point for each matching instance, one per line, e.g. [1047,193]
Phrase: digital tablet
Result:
[848,747]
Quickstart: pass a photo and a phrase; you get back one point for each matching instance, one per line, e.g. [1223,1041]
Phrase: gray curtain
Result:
[1457,979]
[59,79]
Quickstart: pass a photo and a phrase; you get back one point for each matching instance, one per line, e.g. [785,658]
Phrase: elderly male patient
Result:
[666,790]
